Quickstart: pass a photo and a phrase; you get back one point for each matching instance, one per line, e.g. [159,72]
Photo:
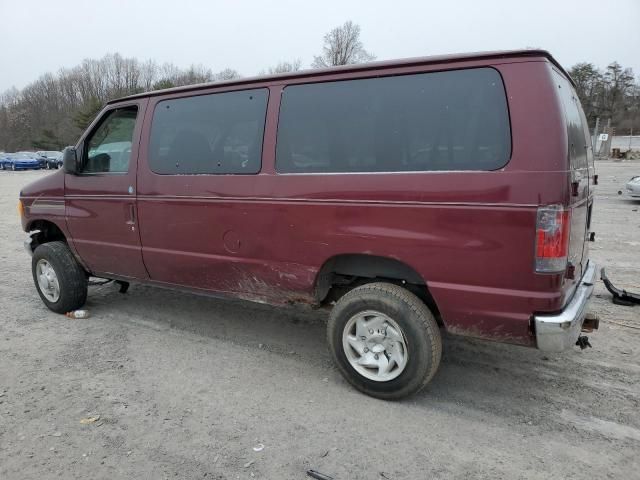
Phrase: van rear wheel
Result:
[61,282]
[384,340]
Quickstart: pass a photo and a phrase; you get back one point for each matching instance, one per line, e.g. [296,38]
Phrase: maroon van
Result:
[448,192]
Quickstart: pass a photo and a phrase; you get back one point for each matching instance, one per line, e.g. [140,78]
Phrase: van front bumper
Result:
[558,332]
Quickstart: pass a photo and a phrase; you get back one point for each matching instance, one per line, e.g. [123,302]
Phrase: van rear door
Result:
[580,172]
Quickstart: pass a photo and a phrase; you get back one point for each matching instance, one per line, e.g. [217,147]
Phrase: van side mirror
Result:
[70,160]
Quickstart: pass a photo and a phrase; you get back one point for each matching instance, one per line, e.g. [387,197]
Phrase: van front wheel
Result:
[384,340]
[60,280]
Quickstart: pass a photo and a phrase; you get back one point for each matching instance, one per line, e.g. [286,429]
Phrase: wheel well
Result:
[47,232]
[342,273]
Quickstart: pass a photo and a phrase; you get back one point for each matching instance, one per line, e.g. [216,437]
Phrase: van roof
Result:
[435,59]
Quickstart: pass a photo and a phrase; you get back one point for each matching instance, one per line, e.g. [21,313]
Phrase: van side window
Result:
[453,120]
[108,149]
[208,134]
[577,130]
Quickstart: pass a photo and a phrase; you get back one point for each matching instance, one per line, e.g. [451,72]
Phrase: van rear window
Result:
[208,134]
[453,120]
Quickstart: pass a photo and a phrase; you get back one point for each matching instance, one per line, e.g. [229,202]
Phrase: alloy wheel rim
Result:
[48,281]
[375,346]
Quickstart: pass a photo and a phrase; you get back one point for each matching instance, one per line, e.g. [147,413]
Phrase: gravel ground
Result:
[186,386]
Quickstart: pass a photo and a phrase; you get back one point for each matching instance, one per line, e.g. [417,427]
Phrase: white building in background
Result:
[622,142]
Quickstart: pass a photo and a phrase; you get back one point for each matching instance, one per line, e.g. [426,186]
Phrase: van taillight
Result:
[552,238]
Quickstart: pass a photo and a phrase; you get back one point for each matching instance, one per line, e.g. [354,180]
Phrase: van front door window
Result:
[108,149]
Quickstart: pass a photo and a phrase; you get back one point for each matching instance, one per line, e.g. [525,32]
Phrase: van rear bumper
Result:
[558,332]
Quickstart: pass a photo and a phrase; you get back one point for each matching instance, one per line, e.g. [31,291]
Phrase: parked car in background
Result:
[633,187]
[41,160]
[5,159]
[59,161]
[50,159]
[20,161]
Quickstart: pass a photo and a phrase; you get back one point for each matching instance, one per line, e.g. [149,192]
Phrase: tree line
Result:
[610,94]
[52,111]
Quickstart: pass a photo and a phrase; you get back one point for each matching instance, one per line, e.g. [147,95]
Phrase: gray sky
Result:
[39,36]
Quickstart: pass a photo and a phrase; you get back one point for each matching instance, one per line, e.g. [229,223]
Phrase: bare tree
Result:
[589,86]
[618,82]
[284,67]
[342,46]
[195,74]
[227,74]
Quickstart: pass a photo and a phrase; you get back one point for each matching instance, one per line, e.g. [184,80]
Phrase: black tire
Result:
[421,333]
[71,276]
